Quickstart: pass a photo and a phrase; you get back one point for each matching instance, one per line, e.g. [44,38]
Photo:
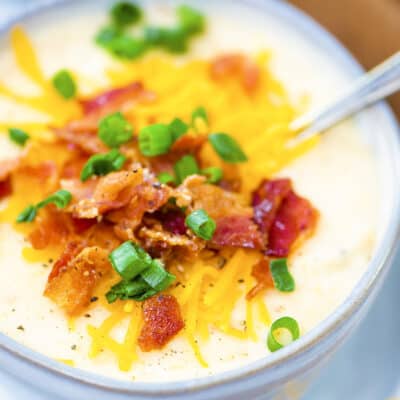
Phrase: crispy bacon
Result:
[147,198]
[263,277]
[114,99]
[43,171]
[78,138]
[237,231]
[237,65]
[5,188]
[52,228]
[296,216]
[8,166]
[161,243]
[162,321]
[188,144]
[72,283]
[96,197]
[266,200]
[173,221]
[216,201]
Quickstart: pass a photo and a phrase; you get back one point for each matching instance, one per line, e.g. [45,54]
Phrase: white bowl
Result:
[286,373]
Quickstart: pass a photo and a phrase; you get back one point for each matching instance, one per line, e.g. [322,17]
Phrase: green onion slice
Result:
[126,46]
[106,35]
[227,148]
[28,214]
[129,260]
[18,136]
[201,224]
[190,20]
[213,174]
[61,199]
[64,84]
[173,40]
[178,128]
[125,290]
[199,113]
[115,130]
[281,276]
[287,323]
[165,178]
[103,164]
[155,140]
[185,167]
[157,277]
[125,13]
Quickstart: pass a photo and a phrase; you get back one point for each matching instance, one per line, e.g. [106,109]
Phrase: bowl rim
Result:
[308,342]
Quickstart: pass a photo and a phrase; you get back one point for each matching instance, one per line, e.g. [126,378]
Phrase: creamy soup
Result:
[338,175]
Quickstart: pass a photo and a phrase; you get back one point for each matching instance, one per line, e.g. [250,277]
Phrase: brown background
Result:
[369,28]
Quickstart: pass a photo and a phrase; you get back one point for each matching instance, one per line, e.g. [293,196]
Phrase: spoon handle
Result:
[375,85]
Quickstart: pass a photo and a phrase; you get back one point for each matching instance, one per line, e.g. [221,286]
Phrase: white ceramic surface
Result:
[353,372]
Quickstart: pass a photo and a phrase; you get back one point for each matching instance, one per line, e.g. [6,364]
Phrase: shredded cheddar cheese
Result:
[259,122]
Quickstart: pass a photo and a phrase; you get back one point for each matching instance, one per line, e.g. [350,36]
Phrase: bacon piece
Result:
[86,141]
[148,197]
[43,171]
[79,190]
[5,188]
[8,166]
[173,221]
[263,276]
[52,227]
[266,200]
[160,243]
[72,168]
[188,144]
[113,99]
[296,216]
[71,285]
[71,250]
[216,201]
[237,231]
[237,65]
[111,192]
[162,321]
[82,224]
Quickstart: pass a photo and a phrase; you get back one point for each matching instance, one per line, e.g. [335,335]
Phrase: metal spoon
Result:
[380,82]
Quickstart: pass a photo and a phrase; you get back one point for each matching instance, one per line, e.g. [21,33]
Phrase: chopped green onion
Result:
[213,174]
[171,39]
[125,290]
[64,84]
[201,224]
[227,148]
[115,130]
[125,13]
[157,277]
[281,276]
[287,323]
[107,35]
[155,140]
[190,20]
[102,164]
[127,47]
[165,178]
[185,167]
[18,136]
[178,128]
[129,260]
[28,214]
[61,199]
[201,113]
